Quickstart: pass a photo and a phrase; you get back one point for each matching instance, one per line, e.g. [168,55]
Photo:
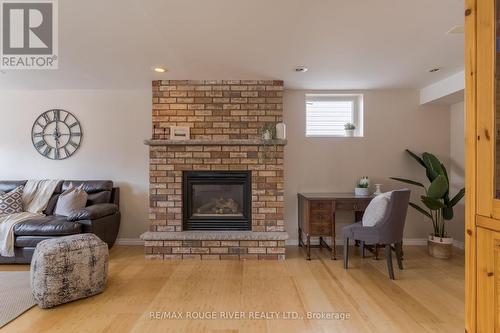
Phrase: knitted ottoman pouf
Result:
[68,268]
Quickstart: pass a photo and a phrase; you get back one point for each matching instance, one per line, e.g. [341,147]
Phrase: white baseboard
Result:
[415,241]
[129,241]
[459,244]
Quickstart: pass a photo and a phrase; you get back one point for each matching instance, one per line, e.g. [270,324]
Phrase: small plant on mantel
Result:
[437,202]
[267,131]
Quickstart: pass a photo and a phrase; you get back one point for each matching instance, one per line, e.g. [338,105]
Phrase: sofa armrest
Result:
[93,212]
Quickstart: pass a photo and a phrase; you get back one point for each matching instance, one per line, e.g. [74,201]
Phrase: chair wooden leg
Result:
[362,248]
[346,252]
[399,254]
[308,240]
[388,255]
[377,246]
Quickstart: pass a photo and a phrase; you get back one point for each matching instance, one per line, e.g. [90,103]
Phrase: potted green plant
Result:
[362,187]
[267,132]
[437,204]
[349,129]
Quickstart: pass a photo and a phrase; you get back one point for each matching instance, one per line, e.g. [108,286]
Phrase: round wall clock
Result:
[56,134]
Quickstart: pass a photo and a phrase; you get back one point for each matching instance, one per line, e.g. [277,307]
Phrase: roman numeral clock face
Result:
[56,134]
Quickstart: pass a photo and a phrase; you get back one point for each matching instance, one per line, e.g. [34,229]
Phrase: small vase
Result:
[378,190]
[361,191]
[266,135]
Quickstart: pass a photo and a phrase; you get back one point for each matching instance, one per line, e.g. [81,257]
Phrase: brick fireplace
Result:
[225,118]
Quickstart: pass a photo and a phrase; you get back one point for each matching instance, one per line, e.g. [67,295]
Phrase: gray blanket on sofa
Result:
[36,195]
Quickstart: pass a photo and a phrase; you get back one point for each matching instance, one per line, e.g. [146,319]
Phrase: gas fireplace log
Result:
[219,206]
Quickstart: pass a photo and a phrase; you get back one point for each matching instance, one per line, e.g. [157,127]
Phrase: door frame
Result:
[470,165]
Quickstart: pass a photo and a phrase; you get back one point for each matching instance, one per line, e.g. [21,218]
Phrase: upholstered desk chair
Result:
[388,232]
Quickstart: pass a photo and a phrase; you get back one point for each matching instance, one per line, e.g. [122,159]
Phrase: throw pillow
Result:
[11,202]
[376,210]
[99,197]
[71,200]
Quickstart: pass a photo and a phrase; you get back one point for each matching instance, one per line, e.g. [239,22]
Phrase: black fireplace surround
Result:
[217,200]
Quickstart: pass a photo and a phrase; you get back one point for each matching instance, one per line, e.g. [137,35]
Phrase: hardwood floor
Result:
[428,296]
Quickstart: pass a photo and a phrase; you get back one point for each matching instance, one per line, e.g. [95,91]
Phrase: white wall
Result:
[457,167]
[393,120]
[114,123]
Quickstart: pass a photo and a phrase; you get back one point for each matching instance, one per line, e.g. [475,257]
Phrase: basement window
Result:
[326,114]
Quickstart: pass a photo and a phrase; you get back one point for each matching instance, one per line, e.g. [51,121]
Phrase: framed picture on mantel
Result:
[179,133]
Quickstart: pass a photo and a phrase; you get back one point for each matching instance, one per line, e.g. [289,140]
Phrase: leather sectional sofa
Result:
[101,217]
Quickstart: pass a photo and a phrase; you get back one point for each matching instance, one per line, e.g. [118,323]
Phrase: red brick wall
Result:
[216,109]
[222,110]
[214,249]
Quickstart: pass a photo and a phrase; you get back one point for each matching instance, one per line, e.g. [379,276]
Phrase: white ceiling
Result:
[347,44]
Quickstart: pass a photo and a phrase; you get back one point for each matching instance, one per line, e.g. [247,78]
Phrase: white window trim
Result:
[357,100]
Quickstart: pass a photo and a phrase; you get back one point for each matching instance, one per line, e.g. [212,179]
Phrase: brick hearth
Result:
[224,119]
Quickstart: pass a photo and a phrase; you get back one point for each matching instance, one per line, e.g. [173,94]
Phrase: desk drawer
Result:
[352,205]
[318,229]
[321,216]
[320,205]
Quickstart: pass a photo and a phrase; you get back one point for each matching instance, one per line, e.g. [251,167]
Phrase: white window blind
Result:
[327,117]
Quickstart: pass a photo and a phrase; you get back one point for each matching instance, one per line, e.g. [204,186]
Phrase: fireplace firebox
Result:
[217,200]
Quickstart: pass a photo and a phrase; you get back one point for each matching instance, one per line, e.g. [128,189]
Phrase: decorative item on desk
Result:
[349,129]
[281,131]
[179,133]
[378,189]
[437,203]
[362,187]
[267,132]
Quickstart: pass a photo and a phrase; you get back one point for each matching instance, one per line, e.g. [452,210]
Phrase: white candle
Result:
[281,131]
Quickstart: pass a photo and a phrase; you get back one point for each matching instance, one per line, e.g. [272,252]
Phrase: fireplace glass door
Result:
[217,201]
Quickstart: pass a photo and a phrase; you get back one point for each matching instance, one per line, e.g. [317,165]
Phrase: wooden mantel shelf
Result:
[233,142]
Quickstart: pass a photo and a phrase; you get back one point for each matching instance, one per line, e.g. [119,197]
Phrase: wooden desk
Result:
[317,215]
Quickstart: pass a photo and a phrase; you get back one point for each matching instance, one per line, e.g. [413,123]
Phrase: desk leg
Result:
[334,242]
[308,247]
[358,216]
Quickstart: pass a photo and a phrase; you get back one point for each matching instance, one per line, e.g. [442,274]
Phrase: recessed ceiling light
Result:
[301,69]
[159,69]
[434,70]
[458,29]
